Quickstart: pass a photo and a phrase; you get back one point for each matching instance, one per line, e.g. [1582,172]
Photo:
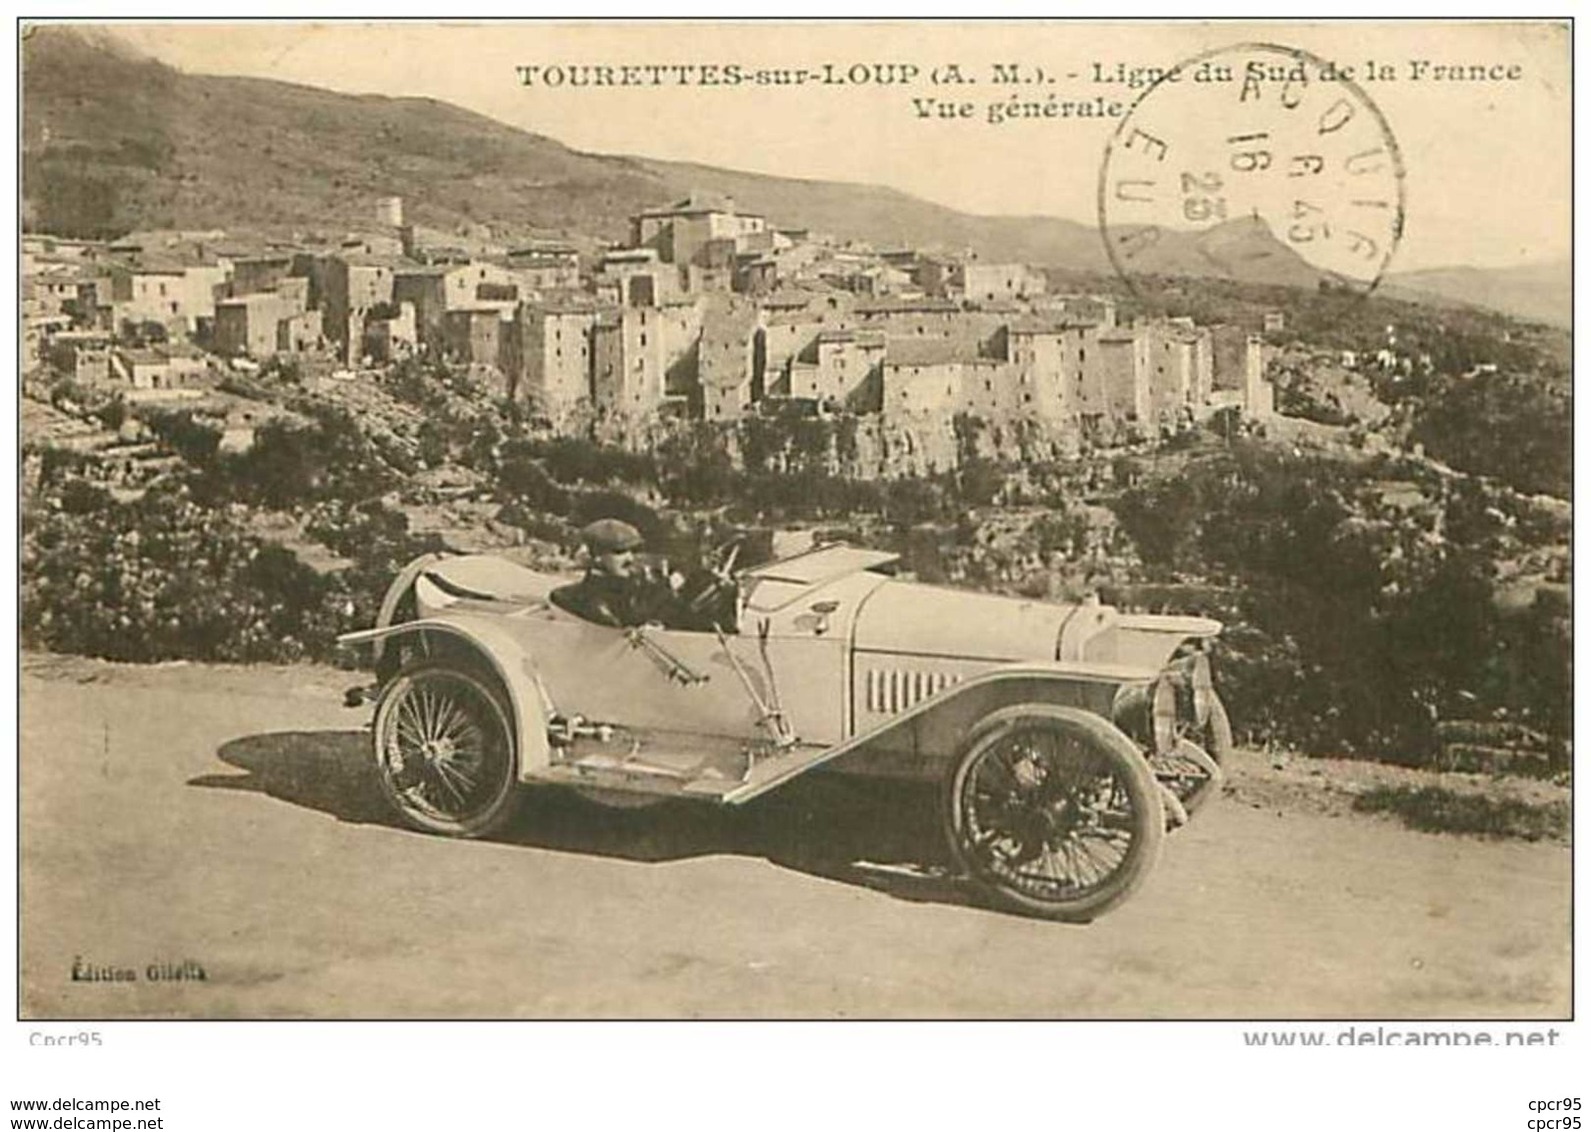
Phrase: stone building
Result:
[730,383]
[682,232]
[1181,364]
[348,288]
[848,365]
[390,332]
[638,354]
[248,325]
[475,335]
[933,378]
[985,282]
[174,295]
[546,266]
[637,277]
[1050,357]
[258,272]
[555,356]
[167,368]
[1123,376]
[436,290]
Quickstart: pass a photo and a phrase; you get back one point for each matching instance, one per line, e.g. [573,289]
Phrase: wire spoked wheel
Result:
[1053,812]
[445,750]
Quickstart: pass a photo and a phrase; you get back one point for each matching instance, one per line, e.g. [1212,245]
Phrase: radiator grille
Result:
[891,690]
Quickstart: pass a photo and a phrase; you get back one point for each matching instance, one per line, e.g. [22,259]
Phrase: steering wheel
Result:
[728,555]
[719,578]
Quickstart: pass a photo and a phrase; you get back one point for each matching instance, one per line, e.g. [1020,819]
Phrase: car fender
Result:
[1148,639]
[924,740]
[395,593]
[502,655]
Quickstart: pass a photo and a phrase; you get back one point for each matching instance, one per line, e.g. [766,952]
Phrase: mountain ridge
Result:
[1536,292]
[114,141]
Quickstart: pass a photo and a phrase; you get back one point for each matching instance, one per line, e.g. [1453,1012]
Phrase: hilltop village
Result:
[706,313]
[232,442]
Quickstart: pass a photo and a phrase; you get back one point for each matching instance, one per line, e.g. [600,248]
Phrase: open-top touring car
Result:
[1067,737]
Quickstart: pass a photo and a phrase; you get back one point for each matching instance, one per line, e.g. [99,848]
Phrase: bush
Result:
[588,507]
[291,464]
[195,440]
[164,579]
[1516,429]
[378,541]
[574,460]
[1358,622]
[112,414]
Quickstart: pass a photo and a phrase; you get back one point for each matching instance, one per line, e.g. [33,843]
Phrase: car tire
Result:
[1053,812]
[1217,743]
[1194,781]
[1218,732]
[445,749]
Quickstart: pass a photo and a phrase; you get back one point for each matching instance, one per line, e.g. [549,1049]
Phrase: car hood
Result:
[919,620]
[910,619]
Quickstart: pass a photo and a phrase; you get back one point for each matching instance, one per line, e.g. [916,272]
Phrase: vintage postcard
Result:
[813,520]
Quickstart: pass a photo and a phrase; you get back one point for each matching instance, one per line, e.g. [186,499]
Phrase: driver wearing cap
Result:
[617,589]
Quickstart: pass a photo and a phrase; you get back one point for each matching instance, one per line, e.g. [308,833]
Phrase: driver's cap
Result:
[609,536]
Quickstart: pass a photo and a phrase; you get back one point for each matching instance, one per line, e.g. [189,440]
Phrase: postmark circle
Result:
[1239,136]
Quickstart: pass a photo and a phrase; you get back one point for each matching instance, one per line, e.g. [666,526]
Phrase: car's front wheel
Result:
[1196,776]
[1053,812]
[445,751]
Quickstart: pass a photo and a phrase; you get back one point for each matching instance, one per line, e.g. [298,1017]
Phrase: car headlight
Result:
[1163,714]
[1148,713]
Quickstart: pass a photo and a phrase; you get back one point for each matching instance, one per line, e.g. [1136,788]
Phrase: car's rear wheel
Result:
[445,751]
[1053,813]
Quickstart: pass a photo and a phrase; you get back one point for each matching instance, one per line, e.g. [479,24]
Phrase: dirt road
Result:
[222,819]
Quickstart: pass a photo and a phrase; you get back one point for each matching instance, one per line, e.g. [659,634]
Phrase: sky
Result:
[1487,161]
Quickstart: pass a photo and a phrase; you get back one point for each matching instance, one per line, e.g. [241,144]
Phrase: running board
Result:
[768,771]
[730,781]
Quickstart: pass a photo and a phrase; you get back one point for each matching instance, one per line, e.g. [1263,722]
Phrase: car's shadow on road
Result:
[883,836]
